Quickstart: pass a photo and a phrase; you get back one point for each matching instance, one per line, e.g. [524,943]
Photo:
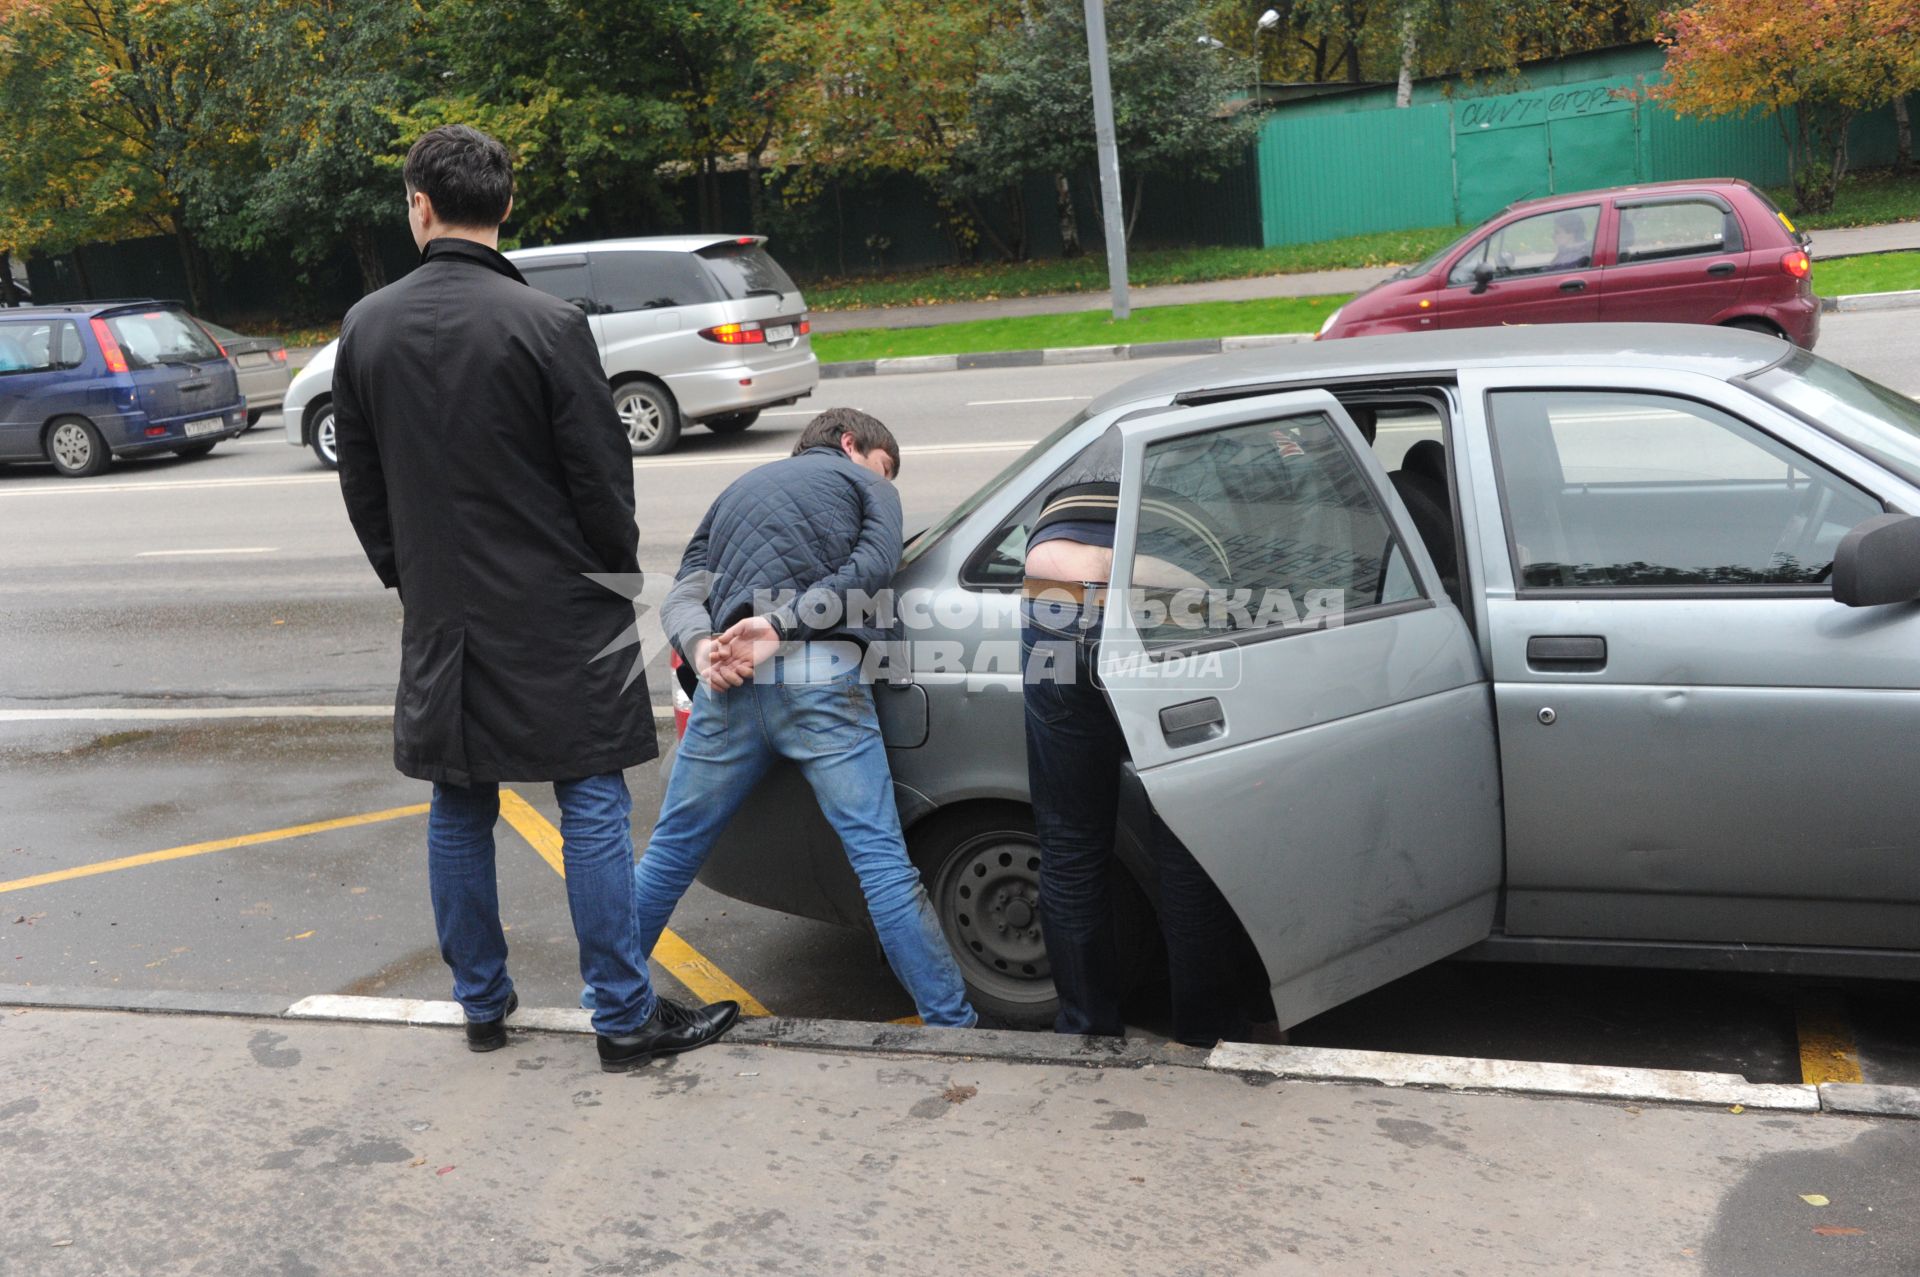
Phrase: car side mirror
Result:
[1482,276]
[1878,562]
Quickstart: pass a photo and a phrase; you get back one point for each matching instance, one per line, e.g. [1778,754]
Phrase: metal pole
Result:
[1116,229]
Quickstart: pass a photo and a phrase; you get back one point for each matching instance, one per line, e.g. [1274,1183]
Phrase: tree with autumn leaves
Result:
[1814,65]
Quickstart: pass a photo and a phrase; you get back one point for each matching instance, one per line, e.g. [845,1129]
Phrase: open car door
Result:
[1305,708]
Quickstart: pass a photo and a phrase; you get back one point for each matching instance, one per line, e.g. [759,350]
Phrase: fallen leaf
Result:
[1738,1108]
[1634,1109]
[444,1170]
[359,891]
[1137,1179]
[418,1161]
[1829,1230]
[957,1094]
[1815,1199]
[302,936]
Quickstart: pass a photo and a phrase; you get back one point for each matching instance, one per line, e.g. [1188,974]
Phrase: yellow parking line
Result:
[702,978]
[203,848]
[1827,1050]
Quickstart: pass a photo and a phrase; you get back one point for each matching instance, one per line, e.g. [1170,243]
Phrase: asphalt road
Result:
[233,582]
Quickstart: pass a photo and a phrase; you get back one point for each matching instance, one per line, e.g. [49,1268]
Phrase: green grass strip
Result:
[1875,273]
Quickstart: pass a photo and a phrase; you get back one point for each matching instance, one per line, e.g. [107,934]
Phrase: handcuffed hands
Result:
[728,660]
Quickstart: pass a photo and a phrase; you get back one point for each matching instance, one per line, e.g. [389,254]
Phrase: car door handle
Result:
[1567,653]
[1191,722]
[1722,268]
[1574,286]
[194,385]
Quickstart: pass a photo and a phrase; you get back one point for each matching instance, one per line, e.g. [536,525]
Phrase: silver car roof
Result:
[657,243]
[1718,352]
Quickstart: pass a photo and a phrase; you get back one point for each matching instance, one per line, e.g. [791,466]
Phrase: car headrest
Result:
[1428,459]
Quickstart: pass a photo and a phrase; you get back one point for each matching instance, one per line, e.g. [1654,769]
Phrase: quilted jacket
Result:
[791,540]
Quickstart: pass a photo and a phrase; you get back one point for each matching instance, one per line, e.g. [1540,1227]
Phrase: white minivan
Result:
[700,328]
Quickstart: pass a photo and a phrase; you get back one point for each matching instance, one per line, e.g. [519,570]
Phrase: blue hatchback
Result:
[82,384]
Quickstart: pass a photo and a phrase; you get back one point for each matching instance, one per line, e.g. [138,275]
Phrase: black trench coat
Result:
[486,472]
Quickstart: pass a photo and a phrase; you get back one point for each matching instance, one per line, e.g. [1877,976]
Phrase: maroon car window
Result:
[1681,228]
[1537,245]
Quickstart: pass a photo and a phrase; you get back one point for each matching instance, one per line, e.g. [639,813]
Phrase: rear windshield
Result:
[151,338]
[1880,423]
[746,270]
[38,345]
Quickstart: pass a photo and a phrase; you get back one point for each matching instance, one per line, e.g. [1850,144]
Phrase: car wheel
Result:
[253,417]
[648,413]
[76,449]
[1760,326]
[733,423]
[195,449]
[320,434]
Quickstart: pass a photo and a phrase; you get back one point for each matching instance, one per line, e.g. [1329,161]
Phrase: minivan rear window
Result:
[746,269]
[151,338]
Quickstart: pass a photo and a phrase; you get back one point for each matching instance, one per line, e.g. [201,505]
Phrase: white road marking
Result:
[82,488]
[994,403]
[795,412]
[238,549]
[200,713]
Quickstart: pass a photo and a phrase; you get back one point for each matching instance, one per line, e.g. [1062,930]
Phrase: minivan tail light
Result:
[116,358]
[735,334]
[280,354]
[806,326]
[1797,264]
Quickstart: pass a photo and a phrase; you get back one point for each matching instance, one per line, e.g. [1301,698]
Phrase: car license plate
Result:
[206,426]
[254,359]
[780,332]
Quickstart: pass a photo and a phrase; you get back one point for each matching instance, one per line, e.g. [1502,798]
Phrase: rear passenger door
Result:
[652,305]
[1305,708]
[1676,260]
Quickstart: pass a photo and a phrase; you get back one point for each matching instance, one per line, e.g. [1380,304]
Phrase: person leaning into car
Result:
[1074,755]
[486,474]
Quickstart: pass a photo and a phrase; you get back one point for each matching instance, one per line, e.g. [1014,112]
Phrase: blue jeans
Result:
[802,708]
[1074,753]
[595,816]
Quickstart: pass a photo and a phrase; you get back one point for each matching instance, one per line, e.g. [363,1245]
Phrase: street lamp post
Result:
[1268,21]
[1109,157]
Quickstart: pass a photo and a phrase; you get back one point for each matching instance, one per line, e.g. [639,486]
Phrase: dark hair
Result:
[467,175]
[824,431]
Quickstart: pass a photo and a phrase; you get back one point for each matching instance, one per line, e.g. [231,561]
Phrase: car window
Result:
[1537,245]
[568,281]
[1881,423]
[1679,228]
[625,281]
[1018,466]
[1257,527]
[1617,489]
[155,337]
[743,270]
[38,345]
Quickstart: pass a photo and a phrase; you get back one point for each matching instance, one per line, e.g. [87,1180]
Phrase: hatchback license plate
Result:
[205,426]
[780,332]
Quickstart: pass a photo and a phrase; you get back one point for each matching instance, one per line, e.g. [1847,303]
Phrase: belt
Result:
[1084,593]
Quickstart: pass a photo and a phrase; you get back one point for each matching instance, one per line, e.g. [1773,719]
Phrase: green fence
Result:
[1325,171]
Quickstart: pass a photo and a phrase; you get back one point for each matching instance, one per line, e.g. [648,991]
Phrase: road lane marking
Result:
[197,713]
[205,848]
[237,549]
[682,960]
[995,403]
[1827,1049]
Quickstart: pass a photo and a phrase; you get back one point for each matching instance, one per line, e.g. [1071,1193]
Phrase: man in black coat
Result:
[487,474]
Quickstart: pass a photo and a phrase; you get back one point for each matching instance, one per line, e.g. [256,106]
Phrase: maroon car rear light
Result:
[1797,264]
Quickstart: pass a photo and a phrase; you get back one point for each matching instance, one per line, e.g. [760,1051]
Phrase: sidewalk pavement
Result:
[1826,244]
[180,1143]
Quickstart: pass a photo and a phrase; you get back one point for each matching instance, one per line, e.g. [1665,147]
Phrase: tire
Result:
[76,449]
[1760,326]
[320,435]
[195,450]
[253,417]
[651,418]
[981,864]
[733,423]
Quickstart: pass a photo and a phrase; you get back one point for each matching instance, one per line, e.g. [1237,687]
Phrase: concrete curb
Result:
[1051,355]
[1055,355]
[1285,1063]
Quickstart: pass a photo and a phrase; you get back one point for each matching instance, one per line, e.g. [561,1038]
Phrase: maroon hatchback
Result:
[1707,252]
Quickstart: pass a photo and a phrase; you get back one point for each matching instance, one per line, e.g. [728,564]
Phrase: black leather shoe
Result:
[491,1035]
[672,1029]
